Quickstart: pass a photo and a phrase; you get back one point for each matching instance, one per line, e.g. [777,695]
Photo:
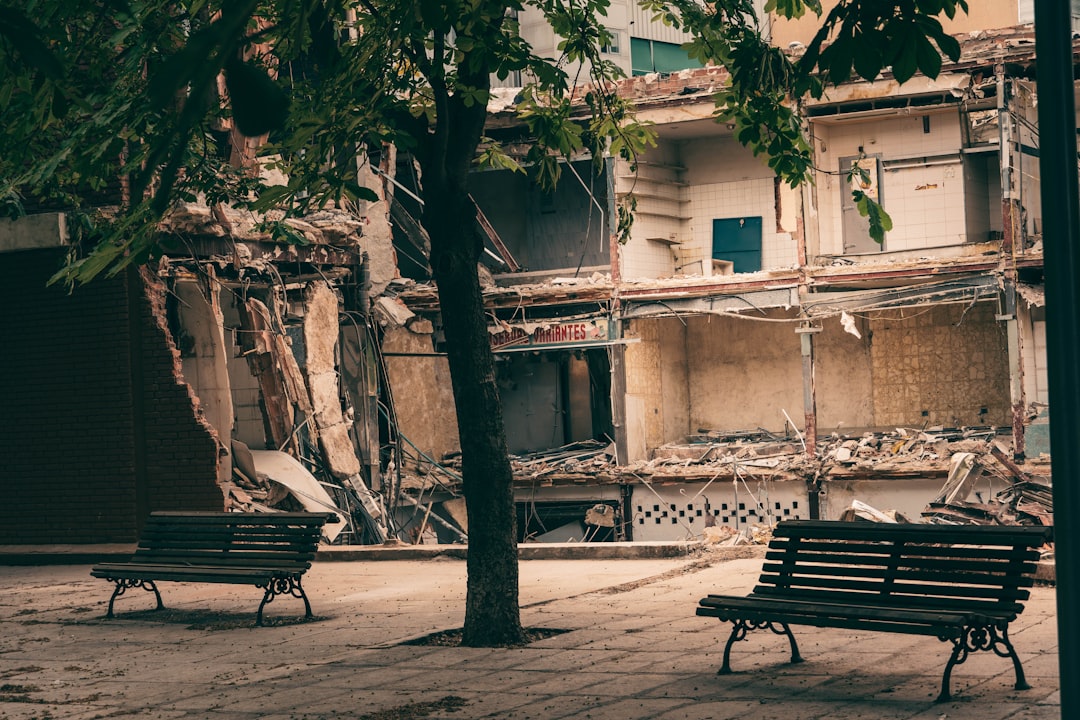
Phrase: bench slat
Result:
[775,606]
[970,574]
[232,543]
[934,627]
[193,574]
[220,561]
[276,535]
[922,602]
[895,588]
[274,518]
[781,549]
[922,533]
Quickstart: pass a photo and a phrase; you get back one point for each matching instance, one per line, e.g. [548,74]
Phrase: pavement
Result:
[630,647]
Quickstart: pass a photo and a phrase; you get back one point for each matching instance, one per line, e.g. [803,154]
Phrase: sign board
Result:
[549,335]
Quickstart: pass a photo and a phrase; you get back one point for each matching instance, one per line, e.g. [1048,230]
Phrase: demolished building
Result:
[749,354]
[232,373]
[752,353]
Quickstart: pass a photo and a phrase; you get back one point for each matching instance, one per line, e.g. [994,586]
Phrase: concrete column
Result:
[806,334]
[1017,397]
[617,358]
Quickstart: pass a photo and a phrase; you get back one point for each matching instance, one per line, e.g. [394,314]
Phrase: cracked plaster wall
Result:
[423,400]
[842,376]
[205,366]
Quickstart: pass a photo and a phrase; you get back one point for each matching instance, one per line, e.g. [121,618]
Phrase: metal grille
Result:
[733,513]
[676,512]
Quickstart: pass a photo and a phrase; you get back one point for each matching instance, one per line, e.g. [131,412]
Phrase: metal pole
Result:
[1061,232]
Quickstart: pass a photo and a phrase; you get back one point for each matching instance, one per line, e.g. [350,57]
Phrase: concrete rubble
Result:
[961,457]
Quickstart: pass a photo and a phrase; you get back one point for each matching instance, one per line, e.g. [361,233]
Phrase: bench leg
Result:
[1010,652]
[959,655]
[994,638]
[738,632]
[122,585]
[283,586]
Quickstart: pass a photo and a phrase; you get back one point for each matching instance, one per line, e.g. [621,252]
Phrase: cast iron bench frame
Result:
[963,584]
[268,550]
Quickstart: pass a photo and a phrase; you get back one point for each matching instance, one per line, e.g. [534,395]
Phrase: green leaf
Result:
[358,192]
[949,45]
[880,222]
[929,59]
[867,58]
[840,56]
[905,61]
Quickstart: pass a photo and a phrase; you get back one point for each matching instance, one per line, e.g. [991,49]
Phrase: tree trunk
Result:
[492,616]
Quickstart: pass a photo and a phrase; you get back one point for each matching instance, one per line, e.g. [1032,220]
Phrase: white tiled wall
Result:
[926,203]
[1042,383]
[683,187]
[743,198]
[660,214]
[927,206]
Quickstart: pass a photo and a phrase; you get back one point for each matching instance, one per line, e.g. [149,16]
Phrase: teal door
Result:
[738,240]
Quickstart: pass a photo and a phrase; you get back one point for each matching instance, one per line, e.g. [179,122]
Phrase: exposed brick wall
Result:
[69,431]
[181,447]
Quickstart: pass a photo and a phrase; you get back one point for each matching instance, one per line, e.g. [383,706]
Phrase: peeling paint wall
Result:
[320,335]
[249,426]
[423,398]
[941,365]
[205,363]
[182,449]
[743,373]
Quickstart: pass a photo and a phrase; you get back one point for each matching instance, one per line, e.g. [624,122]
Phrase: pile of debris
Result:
[579,458]
[903,453]
[590,459]
[900,453]
[1026,500]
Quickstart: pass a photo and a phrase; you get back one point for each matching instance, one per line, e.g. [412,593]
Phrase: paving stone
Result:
[635,650]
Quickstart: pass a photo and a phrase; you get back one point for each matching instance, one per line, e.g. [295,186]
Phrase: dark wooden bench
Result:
[961,584]
[268,550]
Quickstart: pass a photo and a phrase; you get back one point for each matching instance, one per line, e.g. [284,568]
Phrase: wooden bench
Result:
[268,550]
[961,584]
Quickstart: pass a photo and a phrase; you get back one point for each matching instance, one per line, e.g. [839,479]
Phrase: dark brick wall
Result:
[82,456]
[181,448]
